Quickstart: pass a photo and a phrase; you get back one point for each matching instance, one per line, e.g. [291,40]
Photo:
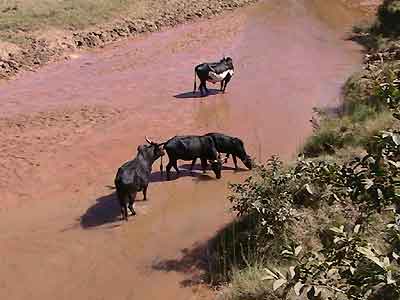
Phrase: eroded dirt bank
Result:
[69,126]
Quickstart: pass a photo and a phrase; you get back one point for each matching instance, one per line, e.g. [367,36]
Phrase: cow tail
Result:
[194,87]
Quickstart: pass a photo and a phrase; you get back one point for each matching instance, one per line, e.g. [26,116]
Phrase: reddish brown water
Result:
[68,127]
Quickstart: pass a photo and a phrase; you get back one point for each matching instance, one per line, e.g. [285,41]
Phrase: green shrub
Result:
[389,16]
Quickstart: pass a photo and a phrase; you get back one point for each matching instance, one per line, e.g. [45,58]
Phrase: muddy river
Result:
[67,128]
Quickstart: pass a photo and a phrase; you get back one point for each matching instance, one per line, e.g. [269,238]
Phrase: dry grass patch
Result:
[32,15]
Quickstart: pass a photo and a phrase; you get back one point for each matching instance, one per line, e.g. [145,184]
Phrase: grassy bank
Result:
[326,226]
[31,15]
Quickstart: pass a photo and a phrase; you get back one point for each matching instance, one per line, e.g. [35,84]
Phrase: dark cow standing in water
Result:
[134,176]
[221,71]
[231,146]
[189,148]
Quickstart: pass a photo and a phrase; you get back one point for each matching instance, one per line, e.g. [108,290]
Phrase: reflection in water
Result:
[213,113]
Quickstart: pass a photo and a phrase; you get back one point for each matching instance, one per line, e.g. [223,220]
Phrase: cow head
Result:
[156,149]
[228,61]
[248,162]
[216,166]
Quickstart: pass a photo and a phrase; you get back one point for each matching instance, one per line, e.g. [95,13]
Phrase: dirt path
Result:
[67,128]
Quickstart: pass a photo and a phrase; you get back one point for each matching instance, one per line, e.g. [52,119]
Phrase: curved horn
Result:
[148,140]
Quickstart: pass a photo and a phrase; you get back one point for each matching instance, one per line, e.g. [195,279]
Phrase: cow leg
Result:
[168,170]
[235,161]
[125,211]
[175,165]
[202,88]
[205,87]
[203,164]
[132,198]
[124,207]
[123,202]
[227,79]
[145,193]
[222,85]
[192,165]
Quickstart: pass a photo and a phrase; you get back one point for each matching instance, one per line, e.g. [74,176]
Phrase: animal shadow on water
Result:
[158,177]
[198,168]
[201,263]
[192,262]
[191,95]
[184,172]
[106,210]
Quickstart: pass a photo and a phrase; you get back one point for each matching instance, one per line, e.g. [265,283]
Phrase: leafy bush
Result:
[268,203]
[272,193]
[351,268]
[265,203]
[266,196]
[389,16]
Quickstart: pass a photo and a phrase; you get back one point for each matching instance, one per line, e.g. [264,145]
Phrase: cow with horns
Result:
[221,71]
[134,176]
[190,147]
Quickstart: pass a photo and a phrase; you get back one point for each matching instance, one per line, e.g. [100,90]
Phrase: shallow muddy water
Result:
[60,233]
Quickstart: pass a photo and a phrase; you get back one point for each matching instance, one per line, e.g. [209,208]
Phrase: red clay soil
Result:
[67,128]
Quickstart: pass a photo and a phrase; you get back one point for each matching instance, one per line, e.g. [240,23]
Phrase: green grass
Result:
[365,112]
[348,131]
[249,283]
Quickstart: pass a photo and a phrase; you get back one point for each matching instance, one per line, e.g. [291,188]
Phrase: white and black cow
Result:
[221,71]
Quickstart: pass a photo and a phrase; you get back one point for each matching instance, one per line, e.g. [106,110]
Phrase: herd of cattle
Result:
[134,176]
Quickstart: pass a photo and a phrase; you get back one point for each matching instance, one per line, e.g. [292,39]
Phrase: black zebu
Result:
[134,175]
[191,147]
[231,146]
[221,71]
